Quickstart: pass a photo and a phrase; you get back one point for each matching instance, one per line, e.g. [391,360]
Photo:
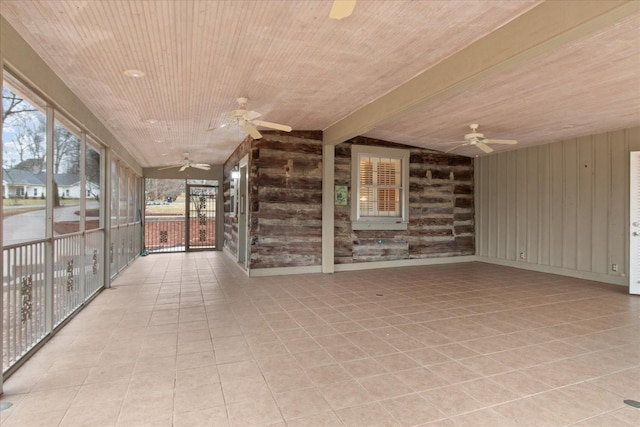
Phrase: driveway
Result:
[31,225]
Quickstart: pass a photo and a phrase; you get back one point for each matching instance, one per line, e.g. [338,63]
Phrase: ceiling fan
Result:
[477,139]
[249,120]
[188,163]
[342,9]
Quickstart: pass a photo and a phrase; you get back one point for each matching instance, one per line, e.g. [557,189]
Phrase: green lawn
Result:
[175,208]
[37,202]
[18,206]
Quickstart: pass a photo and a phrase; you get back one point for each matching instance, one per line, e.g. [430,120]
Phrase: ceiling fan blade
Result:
[251,115]
[456,147]
[271,125]
[500,141]
[170,167]
[452,142]
[202,166]
[253,132]
[484,147]
[342,9]
[186,165]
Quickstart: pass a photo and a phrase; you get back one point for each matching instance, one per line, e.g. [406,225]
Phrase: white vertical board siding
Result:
[544,204]
[618,200]
[533,201]
[493,219]
[601,202]
[563,205]
[522,209]
[502,212]
[556,153]
[511,213]
[569,174]
[585,208]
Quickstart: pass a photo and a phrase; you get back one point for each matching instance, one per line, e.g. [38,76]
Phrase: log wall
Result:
[441,213]
[285,187]
[285,213]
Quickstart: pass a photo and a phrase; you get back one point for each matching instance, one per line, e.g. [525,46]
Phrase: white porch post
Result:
[49,256]
[83,213]
[1,244]
[105,199]
[328,231]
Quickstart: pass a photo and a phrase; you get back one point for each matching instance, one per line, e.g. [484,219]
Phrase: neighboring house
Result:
[20,183]
[68,185]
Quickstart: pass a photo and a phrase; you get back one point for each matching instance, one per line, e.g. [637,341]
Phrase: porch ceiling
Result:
[414,72]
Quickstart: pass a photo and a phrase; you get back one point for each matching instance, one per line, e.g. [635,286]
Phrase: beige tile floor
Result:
[189,340]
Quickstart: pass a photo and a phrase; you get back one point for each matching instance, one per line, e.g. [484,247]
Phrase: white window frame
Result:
[359,222]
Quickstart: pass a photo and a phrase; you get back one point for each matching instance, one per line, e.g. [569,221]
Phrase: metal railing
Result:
[67,291]
[39,295]
[24,308]
[124,247]
[93,265]
[164,233]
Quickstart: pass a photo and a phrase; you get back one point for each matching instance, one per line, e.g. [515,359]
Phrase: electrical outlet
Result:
[521,255]
[614,267]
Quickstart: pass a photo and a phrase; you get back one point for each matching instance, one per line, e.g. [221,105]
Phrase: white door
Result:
[243,213]
[634,227]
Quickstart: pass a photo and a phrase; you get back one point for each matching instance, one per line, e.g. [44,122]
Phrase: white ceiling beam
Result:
[541,29]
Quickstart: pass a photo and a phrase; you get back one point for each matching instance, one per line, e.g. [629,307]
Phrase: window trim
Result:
[379,223]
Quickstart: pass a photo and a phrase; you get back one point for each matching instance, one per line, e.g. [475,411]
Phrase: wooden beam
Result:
[543,28]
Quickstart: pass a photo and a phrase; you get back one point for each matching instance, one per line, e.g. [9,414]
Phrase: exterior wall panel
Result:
[570,200]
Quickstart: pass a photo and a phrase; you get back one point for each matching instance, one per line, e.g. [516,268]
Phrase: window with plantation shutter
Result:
[380,199]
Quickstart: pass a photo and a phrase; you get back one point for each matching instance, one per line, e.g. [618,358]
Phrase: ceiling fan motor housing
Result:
[474,137]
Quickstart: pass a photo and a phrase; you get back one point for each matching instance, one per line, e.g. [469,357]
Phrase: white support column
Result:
[1,244]
[83,213]
[141,207]
[328,189]
[105,199]
[49,256]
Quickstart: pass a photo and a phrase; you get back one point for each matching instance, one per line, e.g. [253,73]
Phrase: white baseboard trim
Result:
[598,277]
[403,263]
[284,271]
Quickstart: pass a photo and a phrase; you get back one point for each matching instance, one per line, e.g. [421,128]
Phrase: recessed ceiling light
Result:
[159,141]
[133,73]
[151,121]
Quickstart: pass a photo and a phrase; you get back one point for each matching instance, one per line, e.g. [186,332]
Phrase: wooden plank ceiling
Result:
[300,68]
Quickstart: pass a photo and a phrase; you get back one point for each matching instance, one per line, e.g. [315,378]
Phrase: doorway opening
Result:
[180,215]
[201,217]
